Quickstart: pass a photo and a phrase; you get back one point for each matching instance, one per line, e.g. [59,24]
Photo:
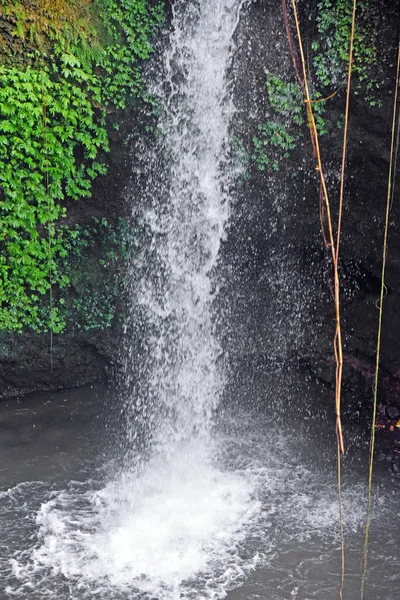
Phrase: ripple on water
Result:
[175,530]
[184,528]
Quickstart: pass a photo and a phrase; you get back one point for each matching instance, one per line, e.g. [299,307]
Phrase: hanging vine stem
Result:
[329,239]
[300,80]
[339,359]
[390,192]
[345,129]
[50,228]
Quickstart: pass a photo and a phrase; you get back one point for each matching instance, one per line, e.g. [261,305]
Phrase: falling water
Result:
[173,515]
[200,508]
[186,223]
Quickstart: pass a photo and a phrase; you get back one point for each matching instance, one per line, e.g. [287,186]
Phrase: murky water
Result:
[186,496]
[255,518]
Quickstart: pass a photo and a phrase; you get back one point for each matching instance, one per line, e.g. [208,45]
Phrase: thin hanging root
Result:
[50,236]
[329,239]
[341,530]
[390,192]
[345,129]
[292,46]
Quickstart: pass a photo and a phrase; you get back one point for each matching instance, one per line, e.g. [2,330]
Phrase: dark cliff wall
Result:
[278,274]
[276,302]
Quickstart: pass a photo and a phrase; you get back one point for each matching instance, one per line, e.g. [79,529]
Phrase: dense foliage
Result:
[331,47]
[42,123]
[276,138]
[94,267]
[328,63]
[62,67]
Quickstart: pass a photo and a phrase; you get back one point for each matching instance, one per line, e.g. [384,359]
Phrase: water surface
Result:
[254,518]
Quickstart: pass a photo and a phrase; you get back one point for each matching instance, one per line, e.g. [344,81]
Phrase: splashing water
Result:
[187,223]
[178,515]
[200,510]
[183,528]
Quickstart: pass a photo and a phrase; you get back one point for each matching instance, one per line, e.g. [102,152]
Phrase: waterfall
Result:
[172,520]
[196,507]
[180,380]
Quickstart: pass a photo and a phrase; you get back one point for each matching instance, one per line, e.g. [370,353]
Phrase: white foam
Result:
[187,527]
[154,534]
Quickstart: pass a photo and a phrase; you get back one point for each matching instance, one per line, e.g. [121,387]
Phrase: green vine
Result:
[272,145]
[28,100]
[277,138]
[331,48]
[286,99]
[130,24]
[93,266]
[59,77]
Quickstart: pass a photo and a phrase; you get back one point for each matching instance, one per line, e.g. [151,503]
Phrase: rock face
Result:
[276,304]
[29,363]
[279,278]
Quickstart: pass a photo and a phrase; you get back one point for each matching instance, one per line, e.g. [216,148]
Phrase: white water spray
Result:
[197,517]
[187,224]
[180,517]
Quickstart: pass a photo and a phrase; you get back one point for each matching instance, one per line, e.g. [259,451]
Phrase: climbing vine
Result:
[130,25]
[278,136]
[35,175]
[271,145]
[63,67]
[93,265]
[331,47]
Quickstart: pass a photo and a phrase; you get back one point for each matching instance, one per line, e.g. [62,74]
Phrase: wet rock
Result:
[395,465]
[393,412]
[29,364]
